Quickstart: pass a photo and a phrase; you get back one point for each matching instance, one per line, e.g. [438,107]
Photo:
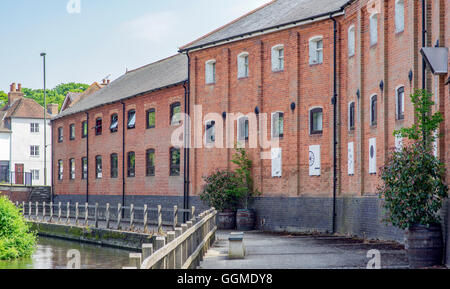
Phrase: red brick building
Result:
[337,72]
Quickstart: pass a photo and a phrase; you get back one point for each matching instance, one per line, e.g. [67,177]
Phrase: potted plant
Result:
[413,186]
[244,190]
[218,193]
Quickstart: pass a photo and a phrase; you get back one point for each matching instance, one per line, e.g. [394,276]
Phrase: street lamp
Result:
[43,55]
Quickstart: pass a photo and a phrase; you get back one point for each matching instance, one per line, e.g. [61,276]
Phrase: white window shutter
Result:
[373,29]
[208,72]
[351,159]
[241,64]
[399,16]
[351,41]
[314,160]
[276,163]
[275,61]
[312,52]
[373,156]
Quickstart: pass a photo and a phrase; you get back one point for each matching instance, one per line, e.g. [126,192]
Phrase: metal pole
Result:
[45,123]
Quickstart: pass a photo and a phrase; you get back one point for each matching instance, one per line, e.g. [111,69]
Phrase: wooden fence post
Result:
[175,217]
[96,215]
[159,219]
[37,210]
[86,214]
[171,255]
[119,215]
[68,213]
[77,213]
[145,219]
[184,254]
[107,216]
[29,210]
[136,260]
[51,212]
[59,212]
[160,243]
[43,211]
[178,250]
[131,216]
[192,212]
[147,251]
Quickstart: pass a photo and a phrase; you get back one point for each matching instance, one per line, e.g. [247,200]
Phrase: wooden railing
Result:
[125,218]
[182,248]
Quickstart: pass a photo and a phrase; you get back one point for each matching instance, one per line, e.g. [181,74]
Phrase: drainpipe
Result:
[87,157]
[187,109]
[123,155]
[334,102]
[424,44]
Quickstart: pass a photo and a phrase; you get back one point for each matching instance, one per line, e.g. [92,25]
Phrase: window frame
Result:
[210,67]
[374,110]
[172,114]
[114,170]
[84,173]
[174,169]
[373,36]
[60,170]
[34,151]
[312,111]
[147,113]
[72,132]
[246,128]
[130,114]
[212,125]
[277,60]
[35,175]
[72,169]
[272,126]
[351,116]
[400,103]
[98,129]
[60,134]
[150,170]
[131,170]
[34,127]
[98,170]
[243,61]
[399,29]
[318,51]
[84,129]
[112,120]
[351,44]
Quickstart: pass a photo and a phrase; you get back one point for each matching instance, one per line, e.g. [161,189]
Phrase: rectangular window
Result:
[150,162]
[399,16]
[131,119]
[114,166]
[84,129]
[316,121]
[34,151]
[34,127]
[277,125]
[114,123]
[351,41]
[401,103]
[316,50]
[98,167]
[84,168]
[131,164]
[175,114]
[151,118]
[72,132]
[278,58]
[351,116]
[373,110]
[72,169]
[210,72]
[243,129]
[60,134]
[98,126]
[373,29]
[35,175]
[174,162]
[210,131]
[243,65]
[60,170]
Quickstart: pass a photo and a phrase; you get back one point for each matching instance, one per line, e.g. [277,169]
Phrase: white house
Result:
[22,142]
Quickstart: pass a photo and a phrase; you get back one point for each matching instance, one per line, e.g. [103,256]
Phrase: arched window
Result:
[316,50]
[373,110]
[351,41]
[151,118]
[399,16]
[351,116]
[131,119]
[316,120]
[400,97]
[175,113]
[278,58]
[98,126]
[174,161]
[243,128]
[114,166]
[210,131]
[98,167]
[374,29]
[150,162]
[131,165]
[210,71]
[243,65]
[114,123]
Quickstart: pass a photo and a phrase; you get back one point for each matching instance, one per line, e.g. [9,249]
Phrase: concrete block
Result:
[236,249]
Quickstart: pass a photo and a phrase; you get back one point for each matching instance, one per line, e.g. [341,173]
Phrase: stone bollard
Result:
[43,211]
[171,255]
[119,215]
[175,217]
[145,219]
[59,212]
[135,260]
[107,216]
[68,213]
[96,215]
[160,242]
[29,210]
[37,210]
[236,248]
[178,250]
[51,213]
[77,213]
[131,217]
[147,251]
[86,214]
[160,231]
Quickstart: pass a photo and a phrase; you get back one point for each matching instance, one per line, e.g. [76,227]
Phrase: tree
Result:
[3,98]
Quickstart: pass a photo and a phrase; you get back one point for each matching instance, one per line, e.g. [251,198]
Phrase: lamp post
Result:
[43,55]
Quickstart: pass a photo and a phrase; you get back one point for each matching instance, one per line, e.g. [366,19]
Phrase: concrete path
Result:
[271,251]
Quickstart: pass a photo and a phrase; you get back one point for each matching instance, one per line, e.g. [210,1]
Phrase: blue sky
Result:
[105,38]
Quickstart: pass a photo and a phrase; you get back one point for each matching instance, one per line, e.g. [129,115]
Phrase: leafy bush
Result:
[218,191]
[244,189]
[16,240]
[413,178]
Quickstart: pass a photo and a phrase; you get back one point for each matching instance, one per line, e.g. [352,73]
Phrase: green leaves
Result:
[16,240]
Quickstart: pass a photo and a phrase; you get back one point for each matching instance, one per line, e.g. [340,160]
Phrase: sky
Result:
[99,38]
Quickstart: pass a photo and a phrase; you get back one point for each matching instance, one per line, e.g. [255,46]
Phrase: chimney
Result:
[52,108]
[14,94]
[108,81]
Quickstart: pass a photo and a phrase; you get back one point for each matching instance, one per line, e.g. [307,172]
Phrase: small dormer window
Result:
[278,58]
[243,65]
[210,72]
[316,50]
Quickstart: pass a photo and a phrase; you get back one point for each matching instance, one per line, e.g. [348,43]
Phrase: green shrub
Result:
[218,191]
[16,239]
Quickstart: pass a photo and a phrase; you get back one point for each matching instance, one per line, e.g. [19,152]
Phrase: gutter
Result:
[334,102]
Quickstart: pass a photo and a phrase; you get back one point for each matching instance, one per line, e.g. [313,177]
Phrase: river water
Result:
[52,254]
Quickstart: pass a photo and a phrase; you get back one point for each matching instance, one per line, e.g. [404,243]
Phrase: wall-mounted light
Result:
[293,106]
[224,115]
[382,85]
[410,75]
[256,110]
[358,94]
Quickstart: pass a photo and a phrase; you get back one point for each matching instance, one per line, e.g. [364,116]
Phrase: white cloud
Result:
[154,27]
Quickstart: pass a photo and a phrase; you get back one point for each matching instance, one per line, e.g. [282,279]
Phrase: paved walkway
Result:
[271,251]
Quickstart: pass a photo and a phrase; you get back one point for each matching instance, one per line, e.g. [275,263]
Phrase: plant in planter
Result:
[244,191]
[218,192]
[413,186]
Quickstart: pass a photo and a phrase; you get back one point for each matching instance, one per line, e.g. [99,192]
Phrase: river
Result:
[52,254]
